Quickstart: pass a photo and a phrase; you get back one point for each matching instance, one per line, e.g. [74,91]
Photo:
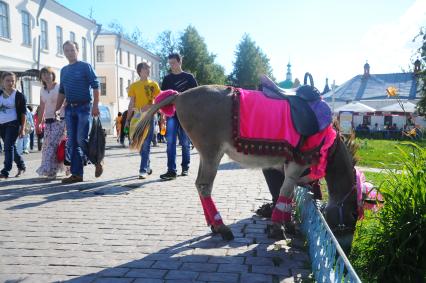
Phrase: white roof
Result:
[408,107]
[355,107]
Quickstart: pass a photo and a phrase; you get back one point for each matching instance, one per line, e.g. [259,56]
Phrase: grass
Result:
[381,153]
[375,178]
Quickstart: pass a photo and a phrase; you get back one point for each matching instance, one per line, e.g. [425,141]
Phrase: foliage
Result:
[250,63]
[166,44]
[389,245]
[421,105]
[197,60]
[135,36]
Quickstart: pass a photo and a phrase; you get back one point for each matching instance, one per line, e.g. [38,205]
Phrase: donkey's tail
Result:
[142,127]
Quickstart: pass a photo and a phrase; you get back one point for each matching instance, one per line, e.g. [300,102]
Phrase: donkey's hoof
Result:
[214,230]
[275,231]
[290,228]
[225,232]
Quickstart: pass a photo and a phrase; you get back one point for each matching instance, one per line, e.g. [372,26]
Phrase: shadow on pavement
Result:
[250,257]
[56,191]
[230,166]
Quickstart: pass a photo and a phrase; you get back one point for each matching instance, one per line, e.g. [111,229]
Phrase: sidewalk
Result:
[120,229]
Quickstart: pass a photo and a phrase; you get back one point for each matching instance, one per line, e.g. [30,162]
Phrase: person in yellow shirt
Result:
[142,94]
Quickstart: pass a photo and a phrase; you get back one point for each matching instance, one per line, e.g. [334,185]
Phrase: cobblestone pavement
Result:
[118,228]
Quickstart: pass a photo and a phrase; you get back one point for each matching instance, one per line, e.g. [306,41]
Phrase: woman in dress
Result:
[12,122]
[54,125]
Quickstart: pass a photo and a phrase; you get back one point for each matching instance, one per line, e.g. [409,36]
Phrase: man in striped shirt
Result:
[77,83]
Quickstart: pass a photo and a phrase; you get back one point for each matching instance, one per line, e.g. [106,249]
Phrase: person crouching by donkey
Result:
[78,82]
[12,123]
[142,94]
[55,126]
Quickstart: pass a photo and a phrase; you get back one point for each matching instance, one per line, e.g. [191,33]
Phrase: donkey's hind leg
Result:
[204,183]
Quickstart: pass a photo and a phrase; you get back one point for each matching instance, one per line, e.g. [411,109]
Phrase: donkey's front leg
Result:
[281,214]
[204,183]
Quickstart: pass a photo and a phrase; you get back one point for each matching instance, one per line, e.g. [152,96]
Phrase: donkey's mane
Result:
[348,140]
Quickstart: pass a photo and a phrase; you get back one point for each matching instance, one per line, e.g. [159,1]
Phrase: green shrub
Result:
[389,245]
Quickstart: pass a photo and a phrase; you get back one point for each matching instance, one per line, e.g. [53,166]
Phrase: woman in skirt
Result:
[54,124]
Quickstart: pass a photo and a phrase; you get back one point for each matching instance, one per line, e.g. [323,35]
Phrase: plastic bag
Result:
[96,145]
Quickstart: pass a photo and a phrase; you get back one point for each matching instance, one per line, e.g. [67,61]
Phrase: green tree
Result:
[166,44]
[421,105]
[250,63]
[135,36]
[197,59]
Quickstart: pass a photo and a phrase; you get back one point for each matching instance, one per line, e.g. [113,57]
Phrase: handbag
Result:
[96,145]
[60,151]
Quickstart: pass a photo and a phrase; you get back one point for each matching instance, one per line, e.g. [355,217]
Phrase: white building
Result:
[31,36]
[115,62]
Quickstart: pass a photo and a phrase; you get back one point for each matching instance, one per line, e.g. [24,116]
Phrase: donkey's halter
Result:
[341,227]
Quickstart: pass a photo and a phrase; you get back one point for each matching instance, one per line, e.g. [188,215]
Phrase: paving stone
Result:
[182,275]
[117,227]
[146,273]
[255,278]
[218,276]
[231,267]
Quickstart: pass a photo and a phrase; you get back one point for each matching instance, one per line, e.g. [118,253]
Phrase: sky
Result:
[330,38]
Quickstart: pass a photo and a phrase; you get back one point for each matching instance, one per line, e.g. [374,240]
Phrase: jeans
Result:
[9,133]
[77,119]
[174,130]
[32,140]
[145,149]
[23,144]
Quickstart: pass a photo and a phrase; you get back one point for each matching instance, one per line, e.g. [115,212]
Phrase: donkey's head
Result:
[341,211]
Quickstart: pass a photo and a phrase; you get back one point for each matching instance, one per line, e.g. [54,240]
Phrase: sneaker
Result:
[143,175]
[72,179]
[265,210]
[99,169]
[168,176]
[3,176]
[184,172]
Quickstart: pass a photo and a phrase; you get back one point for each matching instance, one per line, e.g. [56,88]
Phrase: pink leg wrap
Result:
[210,212]
[282,210]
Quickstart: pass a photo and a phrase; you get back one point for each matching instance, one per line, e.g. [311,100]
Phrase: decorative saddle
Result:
[310,114]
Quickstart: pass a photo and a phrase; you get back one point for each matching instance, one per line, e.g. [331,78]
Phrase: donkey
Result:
[206,114]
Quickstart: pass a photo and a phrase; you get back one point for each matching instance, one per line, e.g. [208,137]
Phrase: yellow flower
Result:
[392,91]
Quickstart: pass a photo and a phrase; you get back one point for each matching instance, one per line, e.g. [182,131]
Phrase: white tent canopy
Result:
[355,107]
[408,107]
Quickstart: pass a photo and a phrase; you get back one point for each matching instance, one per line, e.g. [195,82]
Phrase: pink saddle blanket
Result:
[266,119]
[264,126]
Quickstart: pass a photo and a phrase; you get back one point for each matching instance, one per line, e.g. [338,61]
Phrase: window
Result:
[121,87]
[72,36]
[128,84]
[26,28]
[136,61]
[120,57]
[102,81]
[4,20]
[128,59]
[84,48]
[100,53]
[59,40]
[44,39]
